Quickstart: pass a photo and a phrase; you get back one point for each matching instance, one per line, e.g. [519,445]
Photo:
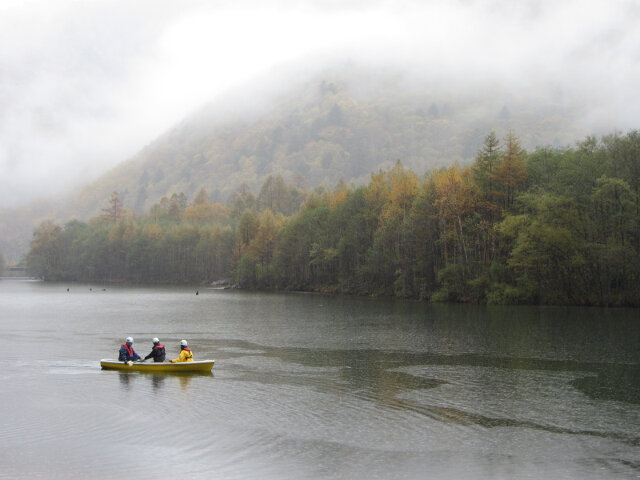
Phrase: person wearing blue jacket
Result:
[127,353]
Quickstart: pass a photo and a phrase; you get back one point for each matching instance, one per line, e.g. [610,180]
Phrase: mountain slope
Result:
[335,126]
[326,130]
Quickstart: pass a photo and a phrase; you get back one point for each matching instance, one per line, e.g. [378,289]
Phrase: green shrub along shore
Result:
[554,226]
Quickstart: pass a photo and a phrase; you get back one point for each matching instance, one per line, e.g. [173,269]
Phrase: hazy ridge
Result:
[325,128]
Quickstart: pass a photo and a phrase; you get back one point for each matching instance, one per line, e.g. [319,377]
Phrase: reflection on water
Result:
[127,379]
[313,387]
[387,377]
[373,370]
[157,381]
[612,382]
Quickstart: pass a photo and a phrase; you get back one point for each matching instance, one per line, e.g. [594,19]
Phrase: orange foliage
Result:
[511,172]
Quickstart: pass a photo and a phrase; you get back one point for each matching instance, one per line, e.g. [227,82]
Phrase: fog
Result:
[85,84]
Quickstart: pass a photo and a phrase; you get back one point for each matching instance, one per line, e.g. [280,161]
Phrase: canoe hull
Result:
[200,366]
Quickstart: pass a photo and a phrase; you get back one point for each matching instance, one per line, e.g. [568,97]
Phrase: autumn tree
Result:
[273,194]
[511,170]
[403,187]
[246,230]
[348,240]
[240,200]
[113,212]
[262,247]
[206,213]
[377,195]
[340,193]
[454,198]
[177,206]
[201,197]
[279,197]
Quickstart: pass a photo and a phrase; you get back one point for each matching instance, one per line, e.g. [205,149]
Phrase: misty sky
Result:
[86,84]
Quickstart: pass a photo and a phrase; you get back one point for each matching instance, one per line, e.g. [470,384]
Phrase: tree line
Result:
[555,226]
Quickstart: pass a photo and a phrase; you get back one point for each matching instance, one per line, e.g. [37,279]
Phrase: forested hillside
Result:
[328,129]
[338,126]
[555,226]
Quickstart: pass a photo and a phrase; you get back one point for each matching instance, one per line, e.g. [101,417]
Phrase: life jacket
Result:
[158,353]
[129,349]
[189,354]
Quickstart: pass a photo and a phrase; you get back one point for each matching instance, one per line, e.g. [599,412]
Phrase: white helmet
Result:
[156,340]
[129,340]
[183,343]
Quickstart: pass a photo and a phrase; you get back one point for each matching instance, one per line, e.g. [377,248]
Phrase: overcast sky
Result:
[86,84]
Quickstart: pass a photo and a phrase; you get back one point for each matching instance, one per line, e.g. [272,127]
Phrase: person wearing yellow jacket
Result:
[186,355]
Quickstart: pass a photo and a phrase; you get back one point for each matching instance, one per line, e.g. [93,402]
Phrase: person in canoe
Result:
[186,355]
[127,353]
[157,352]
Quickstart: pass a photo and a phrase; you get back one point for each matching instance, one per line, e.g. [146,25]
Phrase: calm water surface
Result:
[314,387]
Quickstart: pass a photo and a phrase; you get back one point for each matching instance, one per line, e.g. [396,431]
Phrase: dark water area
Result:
[315,387]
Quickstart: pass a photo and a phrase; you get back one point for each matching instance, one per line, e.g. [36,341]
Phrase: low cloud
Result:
[84,85]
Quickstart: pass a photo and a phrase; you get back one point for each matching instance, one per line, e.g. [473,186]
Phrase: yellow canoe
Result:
[200,366]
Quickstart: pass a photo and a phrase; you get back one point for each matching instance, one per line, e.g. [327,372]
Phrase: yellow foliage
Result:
[124,230]
[153,232]
[261,245]
[206,213]
[455,194]
[338,197]
[404,188]
[115,233]
[340,194]
[129,232]
[392,192]
[377,192]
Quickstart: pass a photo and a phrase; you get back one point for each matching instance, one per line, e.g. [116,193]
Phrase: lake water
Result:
[314,387]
